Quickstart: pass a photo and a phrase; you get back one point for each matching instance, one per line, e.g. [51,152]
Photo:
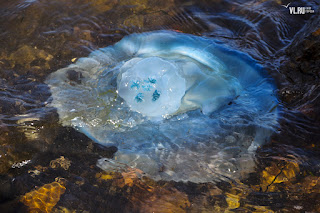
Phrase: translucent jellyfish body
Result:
[151,86]
[177,106]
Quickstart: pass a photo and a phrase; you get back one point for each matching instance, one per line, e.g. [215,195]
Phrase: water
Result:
[39,37]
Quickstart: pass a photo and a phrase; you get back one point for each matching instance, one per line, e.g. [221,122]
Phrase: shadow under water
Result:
[48,167]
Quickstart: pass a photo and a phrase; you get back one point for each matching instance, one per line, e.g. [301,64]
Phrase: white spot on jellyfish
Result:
[177,106]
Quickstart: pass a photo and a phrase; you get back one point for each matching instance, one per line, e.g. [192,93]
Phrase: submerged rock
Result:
[44,198]
[177,106]
[301,62]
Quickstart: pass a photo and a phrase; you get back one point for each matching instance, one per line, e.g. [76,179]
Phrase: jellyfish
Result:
[177,106]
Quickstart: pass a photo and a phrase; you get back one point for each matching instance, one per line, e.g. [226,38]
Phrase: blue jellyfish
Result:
[179,107]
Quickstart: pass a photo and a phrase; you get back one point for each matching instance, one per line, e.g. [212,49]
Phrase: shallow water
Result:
[39,37]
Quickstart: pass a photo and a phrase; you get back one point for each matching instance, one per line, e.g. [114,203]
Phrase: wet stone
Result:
[29,57]
[60,162]
[44,198]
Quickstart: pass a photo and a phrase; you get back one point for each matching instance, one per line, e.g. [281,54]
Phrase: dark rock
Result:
[75,76]
[300,64]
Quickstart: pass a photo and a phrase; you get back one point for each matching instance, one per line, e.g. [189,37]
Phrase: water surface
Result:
[39,37]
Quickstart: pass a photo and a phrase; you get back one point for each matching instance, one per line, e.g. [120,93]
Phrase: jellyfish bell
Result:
[177,106]
[151,86]
[156,87]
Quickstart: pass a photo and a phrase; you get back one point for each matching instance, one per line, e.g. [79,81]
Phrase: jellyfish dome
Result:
[177,106]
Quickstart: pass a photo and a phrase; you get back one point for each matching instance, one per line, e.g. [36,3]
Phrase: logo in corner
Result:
[286,6]
[298,10]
